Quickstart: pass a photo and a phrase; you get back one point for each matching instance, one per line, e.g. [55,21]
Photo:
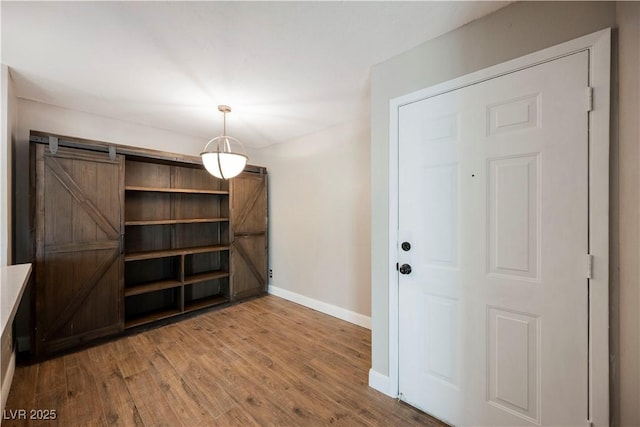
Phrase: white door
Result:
[493,206]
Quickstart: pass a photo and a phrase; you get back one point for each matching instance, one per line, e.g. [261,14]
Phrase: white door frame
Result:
[599,46]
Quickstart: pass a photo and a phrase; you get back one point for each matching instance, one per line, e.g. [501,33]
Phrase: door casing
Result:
[599,47]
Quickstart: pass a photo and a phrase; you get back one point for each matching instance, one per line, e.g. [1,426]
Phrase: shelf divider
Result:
[203,277]
[205,302]
[174,190]
[175,221]
[150,287]
[136,256]
[151,317]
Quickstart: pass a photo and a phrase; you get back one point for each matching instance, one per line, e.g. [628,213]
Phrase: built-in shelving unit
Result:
[177,240]
[126,236]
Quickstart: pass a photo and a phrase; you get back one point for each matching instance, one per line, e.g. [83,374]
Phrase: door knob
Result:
[405,269]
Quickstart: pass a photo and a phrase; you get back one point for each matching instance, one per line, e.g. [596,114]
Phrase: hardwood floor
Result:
[264,362]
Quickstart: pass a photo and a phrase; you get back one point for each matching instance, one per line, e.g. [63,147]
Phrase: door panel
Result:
[249,222]
[513,216]
[78,261]
[249,265]
[514,365]
[493,188]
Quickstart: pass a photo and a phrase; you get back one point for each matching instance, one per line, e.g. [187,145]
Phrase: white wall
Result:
[625,242]
[519,29]
[48,118]
[8,111]
[7,138]
[319,209]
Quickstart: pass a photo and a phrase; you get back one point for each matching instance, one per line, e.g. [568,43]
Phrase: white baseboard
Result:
[8,378]
[379,382]
[323,307]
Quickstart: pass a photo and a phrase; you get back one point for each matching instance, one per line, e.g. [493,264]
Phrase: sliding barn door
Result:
[249,223]
[78,259]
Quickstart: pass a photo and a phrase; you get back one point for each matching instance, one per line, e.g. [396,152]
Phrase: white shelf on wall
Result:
[13,281]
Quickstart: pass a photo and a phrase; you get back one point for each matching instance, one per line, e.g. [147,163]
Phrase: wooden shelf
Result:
[151,317]
[205,302]
[150,287]
[136,256]
[203,277]
[176,221]
[144,288]
[174,190]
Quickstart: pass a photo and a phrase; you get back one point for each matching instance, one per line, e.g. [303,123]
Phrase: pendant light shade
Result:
[224,156]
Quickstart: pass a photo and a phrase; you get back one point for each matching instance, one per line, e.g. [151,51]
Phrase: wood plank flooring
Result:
[264,362]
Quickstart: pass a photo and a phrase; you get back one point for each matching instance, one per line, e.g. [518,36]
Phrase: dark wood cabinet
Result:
[78,226]
[122,240]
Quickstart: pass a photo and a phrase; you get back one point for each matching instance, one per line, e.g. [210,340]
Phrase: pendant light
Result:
[221,160]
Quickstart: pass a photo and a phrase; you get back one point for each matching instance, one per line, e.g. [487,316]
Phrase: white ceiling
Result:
[286,68]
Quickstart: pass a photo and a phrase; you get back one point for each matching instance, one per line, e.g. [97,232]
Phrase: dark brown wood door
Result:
[78,264]
[249,223]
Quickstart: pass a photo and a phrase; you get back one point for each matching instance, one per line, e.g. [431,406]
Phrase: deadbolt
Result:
[405,269]
[406,246]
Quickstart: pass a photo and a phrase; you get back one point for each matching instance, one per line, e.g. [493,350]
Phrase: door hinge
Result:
[589,266]
[589,99]
[53,144]
[589,423]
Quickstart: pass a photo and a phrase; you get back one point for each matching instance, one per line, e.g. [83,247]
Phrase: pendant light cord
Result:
[225,142]
[224,123]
